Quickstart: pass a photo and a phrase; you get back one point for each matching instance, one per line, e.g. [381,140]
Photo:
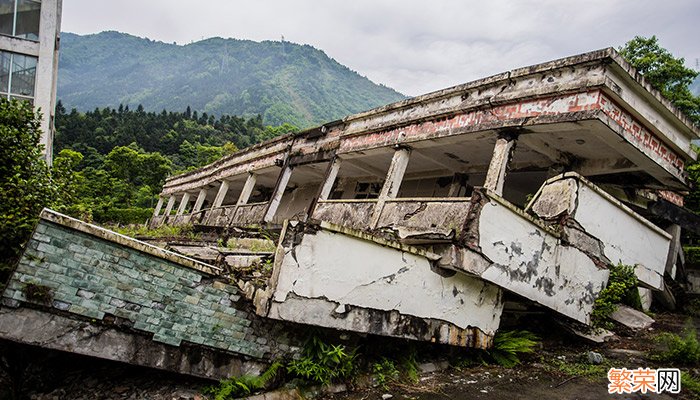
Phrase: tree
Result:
[25,180]
[664,72]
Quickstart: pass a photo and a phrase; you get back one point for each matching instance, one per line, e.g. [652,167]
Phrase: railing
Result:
[411,219]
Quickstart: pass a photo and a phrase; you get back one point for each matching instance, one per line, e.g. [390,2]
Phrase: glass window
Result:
[23,73]
[27,20]
[5,59]
[7,16]
[17,75]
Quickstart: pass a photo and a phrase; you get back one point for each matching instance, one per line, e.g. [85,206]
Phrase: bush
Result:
[25,179]
[133,215]
[622,288]
[242,386]
[507,347]
[682,349]
[323,363]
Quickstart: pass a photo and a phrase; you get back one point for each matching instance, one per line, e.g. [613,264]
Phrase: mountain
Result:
[282,81]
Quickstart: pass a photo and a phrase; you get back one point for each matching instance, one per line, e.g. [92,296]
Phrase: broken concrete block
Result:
[594,358]
[631,318]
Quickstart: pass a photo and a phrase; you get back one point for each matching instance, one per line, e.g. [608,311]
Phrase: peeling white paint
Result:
[343,270]
[532,263]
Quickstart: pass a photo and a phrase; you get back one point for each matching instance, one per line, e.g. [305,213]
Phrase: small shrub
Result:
[682,349]
[622,288]
[323,363]
[242,386]
[507,346]
[384,371]
[690,383]
[37,293]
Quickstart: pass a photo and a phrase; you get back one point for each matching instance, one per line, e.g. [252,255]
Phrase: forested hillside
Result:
[115,160]
[281,81]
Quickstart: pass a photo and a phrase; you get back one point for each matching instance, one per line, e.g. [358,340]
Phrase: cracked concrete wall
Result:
[593,215]
[532,262]
[339,281]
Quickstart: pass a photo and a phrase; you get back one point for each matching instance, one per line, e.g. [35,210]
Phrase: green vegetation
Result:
[690,383]
[622,288]
[664,72]
[681,349]
[506,350]
[113,162]
[26,181]
[508,345]
[579,367]
[323,363]
[163,231]
[235,387]
[281,81]
[385,371]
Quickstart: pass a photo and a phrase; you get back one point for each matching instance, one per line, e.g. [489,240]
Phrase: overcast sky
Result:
[412,46]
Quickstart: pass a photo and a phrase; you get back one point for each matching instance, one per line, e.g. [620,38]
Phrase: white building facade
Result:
[29,43]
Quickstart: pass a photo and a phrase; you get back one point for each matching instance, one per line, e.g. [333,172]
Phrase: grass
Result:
[163,231]
[683,349]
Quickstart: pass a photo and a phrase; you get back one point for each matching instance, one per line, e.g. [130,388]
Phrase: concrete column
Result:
[183,203]
[169,207]
[330,179]
[277,194]
[392,183]
[502,153]
[220,195]
[47,71]
[247,189]
[159,206]
[200,201]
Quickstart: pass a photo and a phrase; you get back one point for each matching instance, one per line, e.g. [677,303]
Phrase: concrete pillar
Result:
[169,207]
[247,189]
[159,206]
[330,179]
[220,195]
[183,203]
[392,183]
[200,201]
[277,194]
[502,153]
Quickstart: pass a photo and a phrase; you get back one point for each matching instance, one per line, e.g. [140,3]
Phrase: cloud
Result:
[412,46]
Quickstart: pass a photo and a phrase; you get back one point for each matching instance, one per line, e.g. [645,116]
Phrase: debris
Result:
[594,358]
[387,396]
[631,318]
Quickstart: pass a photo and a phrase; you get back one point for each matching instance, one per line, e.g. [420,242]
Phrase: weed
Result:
[242,386]
[682,349]
[384,371]
[507,346]
[184,231]
[323,363]
[409,365]
[690,384]
[579,368]
[36,292]
[622,288]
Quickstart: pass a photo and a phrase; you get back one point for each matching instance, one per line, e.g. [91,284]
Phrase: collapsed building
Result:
[425,219]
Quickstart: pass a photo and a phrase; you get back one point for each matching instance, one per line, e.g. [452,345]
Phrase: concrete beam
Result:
[331,176]
[169,207]
[277,195]
[502,154]
[220,195]
[200,201]
[57,332]
[392,183]
[247,189]
[183,203]
[159,206]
